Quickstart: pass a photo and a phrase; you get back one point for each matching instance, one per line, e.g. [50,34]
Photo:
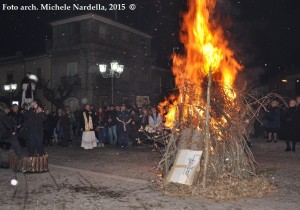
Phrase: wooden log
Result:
[29,164]
[42,164]
[207,132]
[13,161]
[39,164]
[46,160]
[41,168]
[20,164]
[24,164]
[33,164]
[45,164]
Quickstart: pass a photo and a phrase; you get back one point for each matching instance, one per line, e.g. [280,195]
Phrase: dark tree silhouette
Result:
[58,96]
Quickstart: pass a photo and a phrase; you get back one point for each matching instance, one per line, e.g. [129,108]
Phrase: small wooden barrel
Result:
[29,164]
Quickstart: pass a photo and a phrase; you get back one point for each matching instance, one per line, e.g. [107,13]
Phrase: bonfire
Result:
[208,114]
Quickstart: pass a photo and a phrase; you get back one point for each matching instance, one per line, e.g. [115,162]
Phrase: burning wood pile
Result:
[208,114]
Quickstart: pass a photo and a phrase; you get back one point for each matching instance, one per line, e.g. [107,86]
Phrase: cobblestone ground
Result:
[106,178]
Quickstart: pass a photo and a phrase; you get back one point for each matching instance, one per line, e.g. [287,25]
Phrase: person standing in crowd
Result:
[144,121]
[71,117]
[48,128]
[8,133]
[134,126]
[63,128]
[273,121]
[54,119]
[133,107]
[291,126]
[111,122]
[33,121]
[87,126]
[146,103]
[16,118]
[124,120]
[57,133]
[101,126]
[76,125]
[155,119]
[118,108]
[92,109]
[106,110]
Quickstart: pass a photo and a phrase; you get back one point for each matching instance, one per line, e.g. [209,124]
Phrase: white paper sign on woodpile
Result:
[185,167]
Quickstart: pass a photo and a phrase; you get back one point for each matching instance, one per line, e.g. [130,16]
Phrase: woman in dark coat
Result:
[291,126]
[273,121]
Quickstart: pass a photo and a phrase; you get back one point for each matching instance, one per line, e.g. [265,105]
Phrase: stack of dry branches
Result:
[232,117]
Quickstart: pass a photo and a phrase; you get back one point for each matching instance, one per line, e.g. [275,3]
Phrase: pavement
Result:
[108,178]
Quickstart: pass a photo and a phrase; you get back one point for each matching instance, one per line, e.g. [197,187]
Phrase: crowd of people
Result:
[34,126]
[116,125]
[283,122]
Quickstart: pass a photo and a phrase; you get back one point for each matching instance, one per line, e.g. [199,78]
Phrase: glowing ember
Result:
[205,49]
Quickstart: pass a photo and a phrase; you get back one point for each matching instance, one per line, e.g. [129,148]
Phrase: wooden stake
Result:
[206,151]
[181,108]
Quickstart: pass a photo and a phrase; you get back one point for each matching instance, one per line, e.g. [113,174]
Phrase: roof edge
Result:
[101,19]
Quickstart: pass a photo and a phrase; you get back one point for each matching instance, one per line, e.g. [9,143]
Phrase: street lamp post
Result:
[115,71]
[10,88]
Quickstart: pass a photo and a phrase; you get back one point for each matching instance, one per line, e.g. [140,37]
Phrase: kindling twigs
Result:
[221,124]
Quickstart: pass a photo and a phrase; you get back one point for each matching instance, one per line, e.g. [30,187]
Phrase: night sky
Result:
[261,32]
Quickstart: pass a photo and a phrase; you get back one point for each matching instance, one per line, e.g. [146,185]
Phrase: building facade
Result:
[79,44]
[287,85]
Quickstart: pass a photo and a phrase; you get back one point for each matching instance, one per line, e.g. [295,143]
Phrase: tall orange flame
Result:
[205,49]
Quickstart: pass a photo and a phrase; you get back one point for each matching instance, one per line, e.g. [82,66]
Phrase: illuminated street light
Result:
[10,88]
[115,71]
